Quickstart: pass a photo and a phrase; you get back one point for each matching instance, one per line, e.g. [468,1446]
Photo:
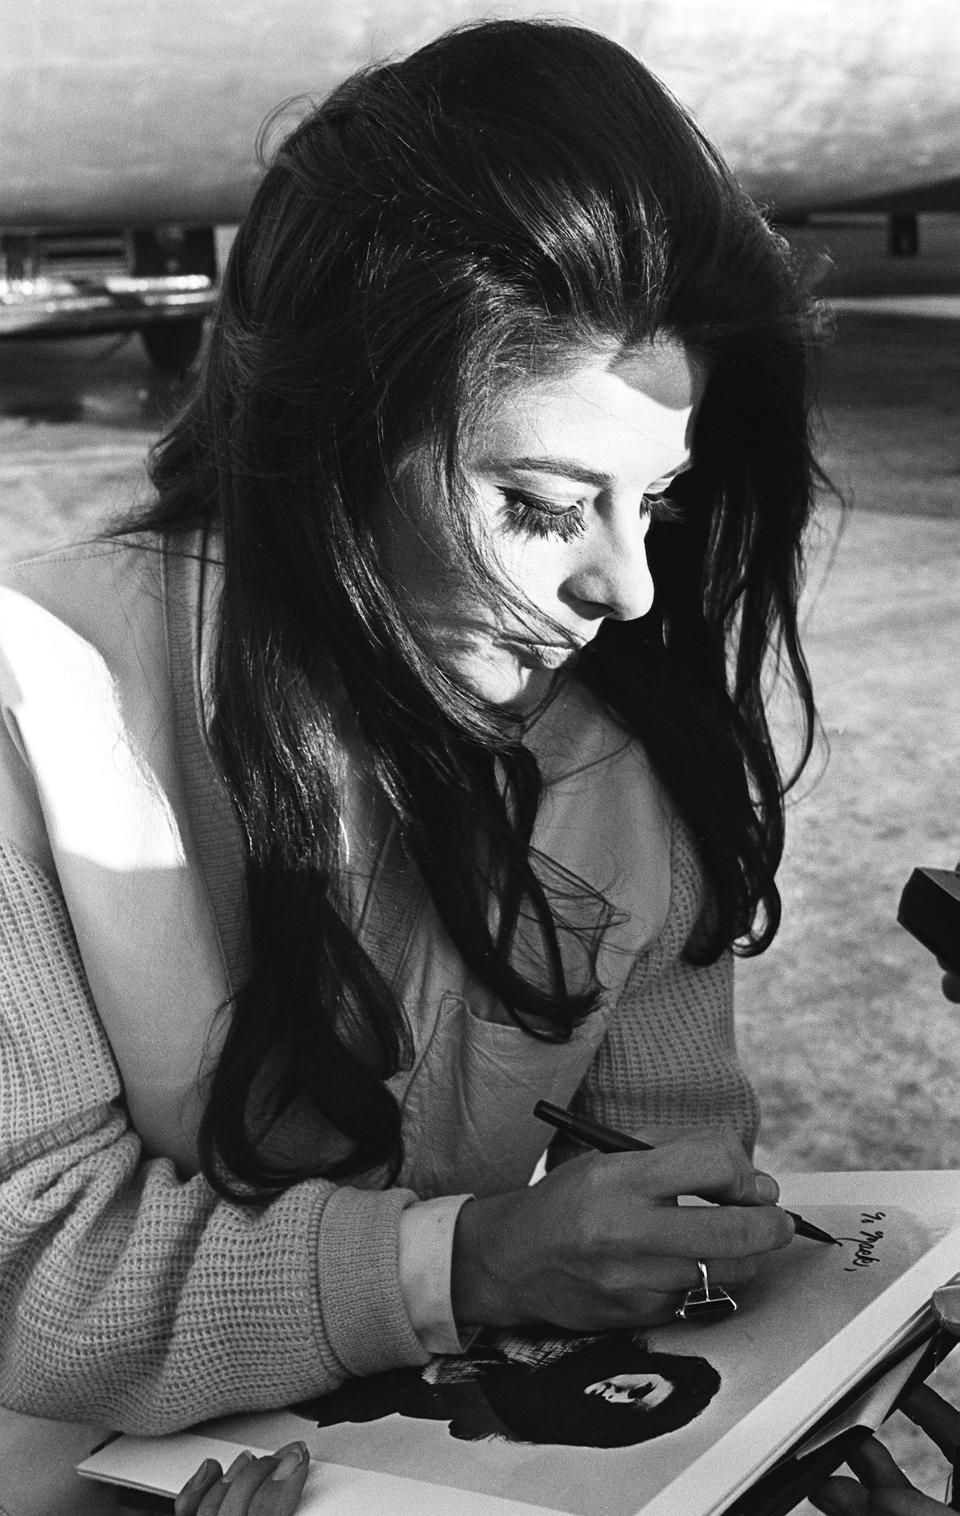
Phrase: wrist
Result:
[479,1292]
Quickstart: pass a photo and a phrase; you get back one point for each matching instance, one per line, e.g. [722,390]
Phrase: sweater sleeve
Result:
[669,1061]
[128,1295]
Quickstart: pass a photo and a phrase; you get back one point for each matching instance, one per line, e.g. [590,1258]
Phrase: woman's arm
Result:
[129,1296]
[668,1063]
[599,1242]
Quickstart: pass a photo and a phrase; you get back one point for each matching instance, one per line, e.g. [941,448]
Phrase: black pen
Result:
[604,1139]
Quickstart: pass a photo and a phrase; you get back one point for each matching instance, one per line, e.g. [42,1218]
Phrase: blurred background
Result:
[126,157]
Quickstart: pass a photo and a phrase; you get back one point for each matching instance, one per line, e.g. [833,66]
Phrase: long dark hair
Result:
[507,196]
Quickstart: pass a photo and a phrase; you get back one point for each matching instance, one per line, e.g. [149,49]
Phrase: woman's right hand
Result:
[600,1242]
[250,1487]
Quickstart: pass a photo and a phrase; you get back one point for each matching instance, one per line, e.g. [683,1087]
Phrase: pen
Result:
[604,1139]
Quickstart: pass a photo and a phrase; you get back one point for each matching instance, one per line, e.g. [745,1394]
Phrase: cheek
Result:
[421,572]
[533,567]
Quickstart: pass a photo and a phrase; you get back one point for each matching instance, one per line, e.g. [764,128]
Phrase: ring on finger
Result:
[705,1302]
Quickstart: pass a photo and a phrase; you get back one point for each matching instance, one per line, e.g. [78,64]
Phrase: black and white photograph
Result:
[479,758]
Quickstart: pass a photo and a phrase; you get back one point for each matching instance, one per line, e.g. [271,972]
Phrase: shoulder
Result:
[86,614]
[84,671]
[86,586]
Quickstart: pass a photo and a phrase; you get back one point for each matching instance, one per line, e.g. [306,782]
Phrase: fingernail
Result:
[767,1189]
[291,1461]
[238,1465]
[200,1477]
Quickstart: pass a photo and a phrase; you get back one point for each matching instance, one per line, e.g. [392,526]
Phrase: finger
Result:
[727,1271]
[243,1488]
[841,1497]
[887,1502]
[891,1493]
[760,1188]
[711,1232]
[845,1497]
[875,1468]
[281,1491]
[935,1417]
[236,1476]
[653,1292]
[950,984]
[714,1165]
[672,1276]
[904,1503]
[625,1298]
[188,1500]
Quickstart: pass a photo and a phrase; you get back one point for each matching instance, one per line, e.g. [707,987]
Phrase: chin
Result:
[510,687]
[527,694]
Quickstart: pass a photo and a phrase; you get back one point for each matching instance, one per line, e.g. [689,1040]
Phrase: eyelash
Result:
[535,517]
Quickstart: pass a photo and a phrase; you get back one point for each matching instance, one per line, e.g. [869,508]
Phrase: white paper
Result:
[806,1332]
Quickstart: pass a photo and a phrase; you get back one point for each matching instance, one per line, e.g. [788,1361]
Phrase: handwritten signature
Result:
[866,1243]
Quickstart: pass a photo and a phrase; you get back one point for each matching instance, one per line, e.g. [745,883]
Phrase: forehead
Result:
[635,409]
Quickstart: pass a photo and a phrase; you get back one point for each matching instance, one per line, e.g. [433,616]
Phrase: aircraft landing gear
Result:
[173,343]
[903,234]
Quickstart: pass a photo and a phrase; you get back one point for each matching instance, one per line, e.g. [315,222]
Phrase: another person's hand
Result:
[250,1487]
[880,1489]
[950,983]
[601,1242]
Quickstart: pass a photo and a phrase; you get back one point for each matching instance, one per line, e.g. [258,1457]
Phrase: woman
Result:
[407,762]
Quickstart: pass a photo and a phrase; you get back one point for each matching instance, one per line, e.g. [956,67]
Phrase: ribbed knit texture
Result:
[132,1298]
[669,1056]
[136,1299]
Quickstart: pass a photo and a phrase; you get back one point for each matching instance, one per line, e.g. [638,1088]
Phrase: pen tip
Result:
[814,1233]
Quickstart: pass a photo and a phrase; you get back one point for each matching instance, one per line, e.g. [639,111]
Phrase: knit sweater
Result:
[131,1294]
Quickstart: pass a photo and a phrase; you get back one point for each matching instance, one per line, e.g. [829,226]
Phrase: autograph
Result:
[866,1243]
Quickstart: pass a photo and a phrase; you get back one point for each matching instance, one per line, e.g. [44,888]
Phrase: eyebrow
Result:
[569,468]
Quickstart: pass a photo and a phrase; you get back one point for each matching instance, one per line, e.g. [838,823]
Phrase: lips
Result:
[550,655]
[546,655]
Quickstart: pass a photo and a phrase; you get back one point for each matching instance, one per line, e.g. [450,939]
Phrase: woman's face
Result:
[645,1391]
[565,475]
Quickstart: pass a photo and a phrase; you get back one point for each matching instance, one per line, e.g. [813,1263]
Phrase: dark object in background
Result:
[930,910]
[72,281]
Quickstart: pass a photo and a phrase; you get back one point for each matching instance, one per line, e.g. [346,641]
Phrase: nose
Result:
[610,576]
